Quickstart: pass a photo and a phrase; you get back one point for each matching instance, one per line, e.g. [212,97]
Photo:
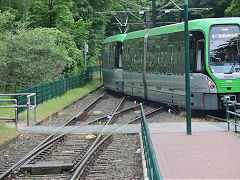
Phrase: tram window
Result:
[197,54]
[200,55]
[118,55]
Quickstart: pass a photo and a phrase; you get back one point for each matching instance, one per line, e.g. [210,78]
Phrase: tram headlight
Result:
[212,87]
[209,82]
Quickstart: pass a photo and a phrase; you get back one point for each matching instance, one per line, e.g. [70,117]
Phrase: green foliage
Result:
[15,7]
[233,9]
[30,57]
[74,63]
[218,8]
[57,13]
[50,13]
[86,10]
[80,32]
[63,25]
[6,21]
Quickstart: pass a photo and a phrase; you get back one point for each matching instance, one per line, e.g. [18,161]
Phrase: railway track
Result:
[105,156]
[74,152]
[49,141]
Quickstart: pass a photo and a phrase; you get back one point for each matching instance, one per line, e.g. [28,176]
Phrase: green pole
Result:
[187,69]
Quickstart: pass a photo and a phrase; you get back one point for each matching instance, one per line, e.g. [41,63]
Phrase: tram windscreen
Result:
[224,49]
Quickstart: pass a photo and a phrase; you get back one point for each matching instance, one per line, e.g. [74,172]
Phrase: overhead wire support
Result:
[180,9]
[125,24]
[134,16]
[115,12]
[122,25]
[189,9]
[140,23]
[166,5]
[154,13]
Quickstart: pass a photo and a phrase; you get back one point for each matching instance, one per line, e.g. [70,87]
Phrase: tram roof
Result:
[116,38]
[199,24]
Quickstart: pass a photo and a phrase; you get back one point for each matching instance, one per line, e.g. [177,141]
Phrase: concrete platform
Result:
[206,154]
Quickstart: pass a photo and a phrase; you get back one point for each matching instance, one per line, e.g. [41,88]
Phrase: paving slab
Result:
[202,155]
[181,127]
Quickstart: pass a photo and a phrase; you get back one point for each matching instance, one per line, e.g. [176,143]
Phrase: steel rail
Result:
[217,118]
[42,144]
[93,147]
[63,134]
[127,109]
[79,169]
[149,113]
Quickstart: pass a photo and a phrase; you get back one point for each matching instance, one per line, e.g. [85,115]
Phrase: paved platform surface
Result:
[205,155]
[133,128]
[181,127]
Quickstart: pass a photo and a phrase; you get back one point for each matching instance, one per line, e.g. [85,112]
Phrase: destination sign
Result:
[224,35]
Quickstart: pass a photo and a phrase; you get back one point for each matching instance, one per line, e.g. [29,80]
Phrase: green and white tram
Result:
[150,63]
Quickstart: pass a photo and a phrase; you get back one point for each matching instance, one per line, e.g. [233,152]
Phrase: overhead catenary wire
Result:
[134,4]
[134,15]
[166,5]
[176,5]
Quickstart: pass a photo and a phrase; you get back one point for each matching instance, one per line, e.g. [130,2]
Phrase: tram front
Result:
[224,61]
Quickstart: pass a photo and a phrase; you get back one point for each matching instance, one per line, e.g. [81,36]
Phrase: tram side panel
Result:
[166,73]
[108,65]
[112,73]
[158,78]
[127,72]
[132,67]
[137,69]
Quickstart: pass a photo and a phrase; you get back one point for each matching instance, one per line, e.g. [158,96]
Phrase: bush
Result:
[74,64]
[31,57]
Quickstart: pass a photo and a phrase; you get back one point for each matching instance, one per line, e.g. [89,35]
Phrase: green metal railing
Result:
[54,89]
[235,123]
[150,156]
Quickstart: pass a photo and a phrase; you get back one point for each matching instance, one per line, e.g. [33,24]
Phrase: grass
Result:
[48,107]
[6,132]
[6,112]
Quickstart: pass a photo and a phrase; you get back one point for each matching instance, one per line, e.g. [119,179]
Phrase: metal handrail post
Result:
[16,115]
[35,108]
[235,117]
[28,110]
[228,117]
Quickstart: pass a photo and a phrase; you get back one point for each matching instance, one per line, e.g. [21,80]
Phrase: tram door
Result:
[118,76]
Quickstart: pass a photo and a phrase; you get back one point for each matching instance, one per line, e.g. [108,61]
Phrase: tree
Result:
[31,57]
[233,9]
[50,13]
[217,11]
[86,10]
[6,21]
